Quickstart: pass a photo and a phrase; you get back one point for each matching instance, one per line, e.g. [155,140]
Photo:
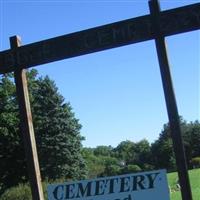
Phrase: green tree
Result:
[194,135]
[125,152]
[58,133]
[56,128]
[130,169]
[143,154]
[95,164]
[162,151]
[12,162]
[112,166]
[103,151]
[195,162]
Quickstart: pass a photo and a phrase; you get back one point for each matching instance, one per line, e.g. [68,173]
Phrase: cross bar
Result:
[113,35]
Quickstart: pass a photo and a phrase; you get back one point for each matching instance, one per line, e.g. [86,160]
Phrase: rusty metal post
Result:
[170,102]
[27,127]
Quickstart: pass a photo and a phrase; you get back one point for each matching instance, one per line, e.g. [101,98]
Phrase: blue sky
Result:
[117,94]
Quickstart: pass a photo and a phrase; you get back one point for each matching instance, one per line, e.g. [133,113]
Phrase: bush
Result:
[130,169]
[148,167]
[133,168]
[21,192]
[195,162]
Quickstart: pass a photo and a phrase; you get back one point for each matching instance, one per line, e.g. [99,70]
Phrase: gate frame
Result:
[12,58]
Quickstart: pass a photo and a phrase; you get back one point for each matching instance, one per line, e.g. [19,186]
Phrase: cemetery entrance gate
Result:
[157,26]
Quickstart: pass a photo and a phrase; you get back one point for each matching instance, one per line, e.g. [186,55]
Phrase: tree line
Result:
[59,140]
[131,156]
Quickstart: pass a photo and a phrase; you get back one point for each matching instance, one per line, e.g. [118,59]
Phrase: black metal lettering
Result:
[9,59]
[166,23]
[47,50]
[22,58]
[91,40]
[36,54]
[119,34]
[105,37]
[131,30]
[195,16]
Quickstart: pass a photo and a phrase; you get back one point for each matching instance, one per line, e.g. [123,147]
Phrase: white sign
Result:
[140,186]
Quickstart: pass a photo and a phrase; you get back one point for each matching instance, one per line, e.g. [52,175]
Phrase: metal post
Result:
[170,102]
[27,127]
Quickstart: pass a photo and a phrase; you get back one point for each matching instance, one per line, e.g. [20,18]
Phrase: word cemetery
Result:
[140,186]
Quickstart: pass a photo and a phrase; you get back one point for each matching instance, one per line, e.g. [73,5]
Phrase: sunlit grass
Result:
[194,180]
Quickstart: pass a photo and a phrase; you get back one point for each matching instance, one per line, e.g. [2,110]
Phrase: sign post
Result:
[170,99]
[26,126]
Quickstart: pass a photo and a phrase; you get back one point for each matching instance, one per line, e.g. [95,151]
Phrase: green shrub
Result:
[148,167]
[20,192]
[130,169]
[133,168]
[23,191]
[195,162]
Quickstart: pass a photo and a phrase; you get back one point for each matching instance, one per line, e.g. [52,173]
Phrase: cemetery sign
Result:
[139,186]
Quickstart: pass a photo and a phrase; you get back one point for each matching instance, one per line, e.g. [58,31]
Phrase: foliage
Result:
[103,150]
[130,169]
[57,133]
[20,192]
[23,192]
[162,148]
[125,152]
[194,136]
[12,161]
[58,136]
[143,154]
[195,162]
[95,165]
[163,155]
[127,157]
[112,166]
[109,161]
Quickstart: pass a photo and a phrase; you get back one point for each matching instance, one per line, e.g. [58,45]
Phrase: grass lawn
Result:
[194,180]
